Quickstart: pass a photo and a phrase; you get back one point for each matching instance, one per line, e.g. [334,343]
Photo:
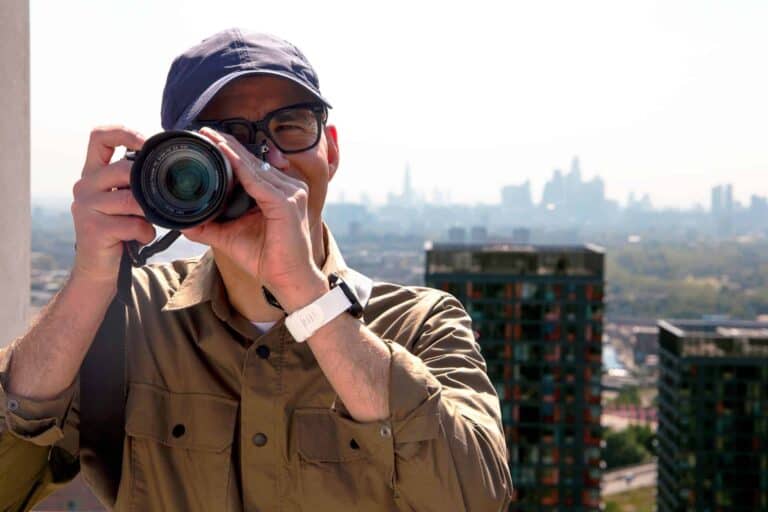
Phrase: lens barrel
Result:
[181,179]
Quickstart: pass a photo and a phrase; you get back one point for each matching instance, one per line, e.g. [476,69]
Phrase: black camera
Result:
[181,179]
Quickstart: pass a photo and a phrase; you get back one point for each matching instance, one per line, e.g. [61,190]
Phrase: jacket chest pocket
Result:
[180,449]
[342,464]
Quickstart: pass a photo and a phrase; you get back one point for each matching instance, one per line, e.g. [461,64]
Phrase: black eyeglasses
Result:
[291,129]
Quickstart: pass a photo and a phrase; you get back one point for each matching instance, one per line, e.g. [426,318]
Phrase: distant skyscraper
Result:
[722,206]
[728,199]
[407,188]
[517,197]
[478,234]
[573,199]
[716,201]
[713,416]
[573,182]
[407,196]
[538,312]
[758,206]
[576,167]
[554,190]
[457,235]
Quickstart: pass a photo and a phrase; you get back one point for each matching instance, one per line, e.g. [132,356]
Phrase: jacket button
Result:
[385,430]
[259,439]
[262,351]
[178,431]
[13,405]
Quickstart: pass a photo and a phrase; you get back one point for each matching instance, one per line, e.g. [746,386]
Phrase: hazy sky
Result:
[666,97]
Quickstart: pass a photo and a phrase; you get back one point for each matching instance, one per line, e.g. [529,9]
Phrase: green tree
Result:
[632,445]
[628,396]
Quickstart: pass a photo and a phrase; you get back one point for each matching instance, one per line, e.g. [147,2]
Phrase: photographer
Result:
[227,406]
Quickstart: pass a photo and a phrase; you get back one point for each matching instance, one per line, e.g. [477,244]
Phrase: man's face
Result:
[255,96]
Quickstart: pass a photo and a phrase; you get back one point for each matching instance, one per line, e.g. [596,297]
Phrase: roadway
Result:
[628,478]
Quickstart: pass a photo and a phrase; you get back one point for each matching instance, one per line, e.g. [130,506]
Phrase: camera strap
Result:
[133,257]
[103,392]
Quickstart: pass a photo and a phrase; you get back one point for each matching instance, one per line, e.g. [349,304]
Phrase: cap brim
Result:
[191,113]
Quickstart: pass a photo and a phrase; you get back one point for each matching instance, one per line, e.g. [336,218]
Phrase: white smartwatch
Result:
[304,322]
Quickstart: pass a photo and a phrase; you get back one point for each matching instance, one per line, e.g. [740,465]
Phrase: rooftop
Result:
[515,259]
[721,338]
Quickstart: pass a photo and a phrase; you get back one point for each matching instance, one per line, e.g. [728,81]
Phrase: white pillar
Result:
[15,222]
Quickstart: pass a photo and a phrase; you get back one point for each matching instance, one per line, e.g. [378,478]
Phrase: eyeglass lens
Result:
[291,129]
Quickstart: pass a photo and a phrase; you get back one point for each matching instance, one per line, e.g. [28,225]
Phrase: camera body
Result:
[181,179]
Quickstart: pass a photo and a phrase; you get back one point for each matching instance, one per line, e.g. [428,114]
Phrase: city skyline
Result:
[522,195]
[523,192]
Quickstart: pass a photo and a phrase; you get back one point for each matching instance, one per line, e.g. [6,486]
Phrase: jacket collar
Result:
[203,283]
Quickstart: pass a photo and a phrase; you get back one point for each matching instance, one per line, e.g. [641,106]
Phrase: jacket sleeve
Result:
[443,446]
[38,443]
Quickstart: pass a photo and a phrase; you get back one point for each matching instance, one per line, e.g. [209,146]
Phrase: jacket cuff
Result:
[37,421]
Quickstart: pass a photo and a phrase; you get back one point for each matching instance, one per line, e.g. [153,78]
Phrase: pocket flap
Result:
[184,420]
[323,436]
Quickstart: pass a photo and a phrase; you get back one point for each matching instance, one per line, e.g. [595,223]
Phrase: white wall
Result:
[14,169]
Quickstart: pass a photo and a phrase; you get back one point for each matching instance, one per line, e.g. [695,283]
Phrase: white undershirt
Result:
[263,326]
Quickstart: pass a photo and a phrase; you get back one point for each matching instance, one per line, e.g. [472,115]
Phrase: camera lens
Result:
[187,180]
[181,179]
[187,176]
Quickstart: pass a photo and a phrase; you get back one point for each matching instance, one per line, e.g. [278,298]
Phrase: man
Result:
[226,407]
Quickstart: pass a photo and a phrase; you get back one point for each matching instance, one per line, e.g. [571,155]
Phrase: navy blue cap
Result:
[200,72]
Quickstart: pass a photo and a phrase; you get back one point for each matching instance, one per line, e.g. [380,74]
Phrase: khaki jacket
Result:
[222,417]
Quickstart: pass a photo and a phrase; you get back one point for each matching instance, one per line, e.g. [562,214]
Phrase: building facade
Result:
[713,416]
[538,314]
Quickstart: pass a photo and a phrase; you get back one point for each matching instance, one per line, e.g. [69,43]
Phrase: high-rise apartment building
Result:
[713,416]
[538,313]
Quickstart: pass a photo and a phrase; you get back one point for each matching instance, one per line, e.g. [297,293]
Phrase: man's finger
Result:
[115,175]
[277,178]
[208,233]
[256,186]
[117,202]
[102,144]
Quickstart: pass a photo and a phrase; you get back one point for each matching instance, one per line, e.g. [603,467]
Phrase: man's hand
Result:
[104,210]
[273,241]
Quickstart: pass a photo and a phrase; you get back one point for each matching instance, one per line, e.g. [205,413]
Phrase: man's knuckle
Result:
[97,133]
[301,195]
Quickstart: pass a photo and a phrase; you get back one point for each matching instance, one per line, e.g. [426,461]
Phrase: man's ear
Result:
[332,139]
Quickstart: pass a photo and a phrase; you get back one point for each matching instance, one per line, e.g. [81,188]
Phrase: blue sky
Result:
[661,97]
